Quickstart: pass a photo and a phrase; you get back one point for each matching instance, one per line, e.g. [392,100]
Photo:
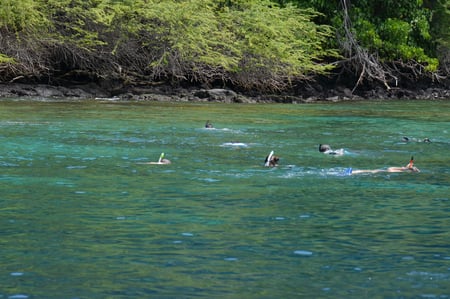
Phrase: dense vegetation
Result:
[246,44]
[389,40]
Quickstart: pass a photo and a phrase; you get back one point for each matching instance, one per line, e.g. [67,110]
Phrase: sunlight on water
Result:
[85,216]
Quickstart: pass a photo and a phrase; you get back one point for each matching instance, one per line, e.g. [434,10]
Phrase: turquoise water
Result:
[82,216]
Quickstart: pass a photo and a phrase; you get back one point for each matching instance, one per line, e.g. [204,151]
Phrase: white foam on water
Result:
[303,252]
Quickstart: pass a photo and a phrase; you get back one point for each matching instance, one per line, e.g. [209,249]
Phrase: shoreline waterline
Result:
[193,94]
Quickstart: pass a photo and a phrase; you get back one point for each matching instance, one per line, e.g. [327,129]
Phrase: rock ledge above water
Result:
[224,95]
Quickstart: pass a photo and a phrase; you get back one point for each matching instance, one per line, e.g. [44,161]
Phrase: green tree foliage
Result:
[181,40]
[5,59]
[20,20]
[74,21]
[440,24]
[403,32]
[277,43]
[247,43]
[21,17]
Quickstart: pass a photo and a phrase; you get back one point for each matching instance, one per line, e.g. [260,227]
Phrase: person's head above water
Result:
[406,139]
[324,147]
[408,168]
[271,160]
[208,124]
[165,161]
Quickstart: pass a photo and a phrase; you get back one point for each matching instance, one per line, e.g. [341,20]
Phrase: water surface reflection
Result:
[83,217]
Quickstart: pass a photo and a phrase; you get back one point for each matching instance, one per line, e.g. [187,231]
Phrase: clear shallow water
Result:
[81,217]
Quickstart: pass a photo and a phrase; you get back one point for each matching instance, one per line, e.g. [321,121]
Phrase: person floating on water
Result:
[208,125]
[326,149]
[271,160]
[407,139]
[408,168]
[161,160]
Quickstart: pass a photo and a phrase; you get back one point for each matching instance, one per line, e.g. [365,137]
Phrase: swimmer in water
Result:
[165,161]
[208,125]
[407,139]
[161,160]
[408,168]
[271,160]
[326,149]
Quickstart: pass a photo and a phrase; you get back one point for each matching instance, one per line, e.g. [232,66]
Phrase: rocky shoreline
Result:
[166,93]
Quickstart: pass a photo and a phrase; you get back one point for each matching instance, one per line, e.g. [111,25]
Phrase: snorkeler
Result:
[208,125]
[271,160]
[408,168]
[407,139]
[326,149]
[161,160]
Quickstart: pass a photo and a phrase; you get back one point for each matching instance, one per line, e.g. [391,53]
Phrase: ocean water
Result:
[84,216]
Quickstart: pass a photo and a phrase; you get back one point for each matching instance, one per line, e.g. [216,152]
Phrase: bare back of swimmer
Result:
[326,149]
[408,168]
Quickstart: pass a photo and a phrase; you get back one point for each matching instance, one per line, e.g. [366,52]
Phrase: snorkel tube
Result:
[161,157]
[411,165]
[411,162]
[269,157]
